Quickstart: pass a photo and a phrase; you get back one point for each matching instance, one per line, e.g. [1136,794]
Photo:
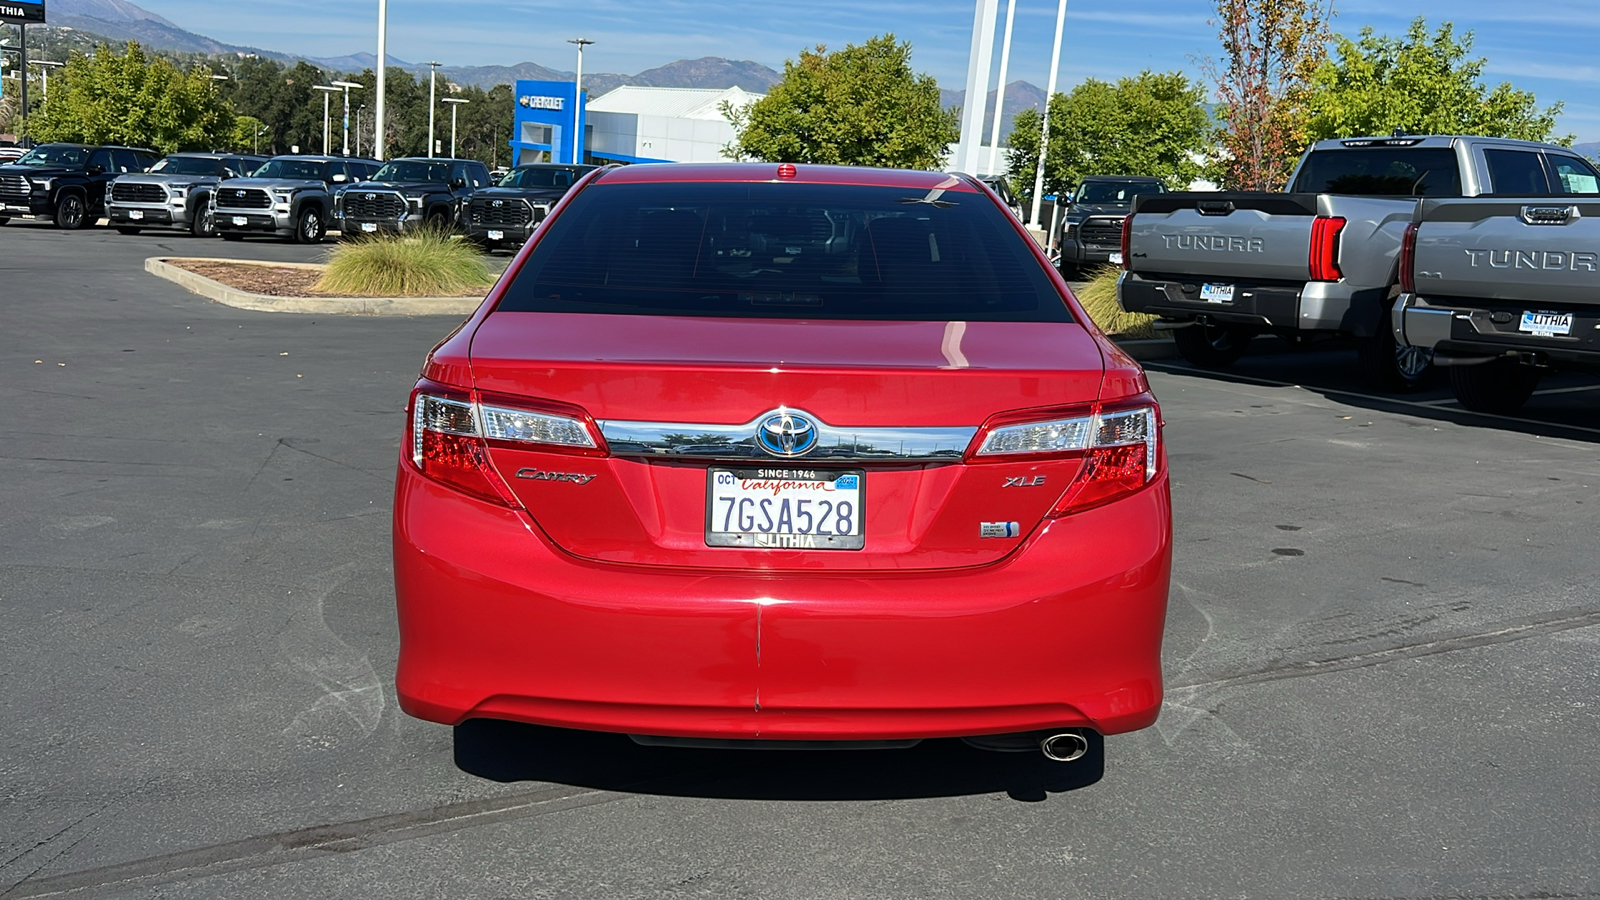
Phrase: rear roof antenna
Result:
[1398,132]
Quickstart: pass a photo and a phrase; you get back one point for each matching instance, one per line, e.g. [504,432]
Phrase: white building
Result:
[657,124]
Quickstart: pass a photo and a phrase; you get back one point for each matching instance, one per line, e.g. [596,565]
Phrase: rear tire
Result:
[122,229]
[1388,365]
[1499,387]
[1212,346]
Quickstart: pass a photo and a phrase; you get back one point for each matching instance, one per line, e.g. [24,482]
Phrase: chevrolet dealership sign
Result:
[535,102]
[24,12]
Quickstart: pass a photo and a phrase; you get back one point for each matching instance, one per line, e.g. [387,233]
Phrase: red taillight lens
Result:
[1107,473]
[1127,242]
[450,430]
[1408,260]
[1324,254]
[1120,449]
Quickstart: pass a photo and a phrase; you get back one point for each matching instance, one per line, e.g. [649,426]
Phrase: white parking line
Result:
[1420,404]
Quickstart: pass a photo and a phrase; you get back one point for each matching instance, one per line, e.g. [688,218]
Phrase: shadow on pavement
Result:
[512,752]
[1565,405]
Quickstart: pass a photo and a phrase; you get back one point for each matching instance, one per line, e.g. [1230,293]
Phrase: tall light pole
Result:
[1000,93]
[383,48]
[1044,126]
[577,104]
[44,72]
[433,70]
[455,103]
[326,90]
[358,128]
[977,98]
[347,85]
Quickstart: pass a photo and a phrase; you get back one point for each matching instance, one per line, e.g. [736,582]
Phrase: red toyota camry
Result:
[783,453]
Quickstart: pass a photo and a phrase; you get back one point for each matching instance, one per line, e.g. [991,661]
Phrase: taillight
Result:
[1324,253]
[451,430]
[1120,449]
[1408,260]
[1127,242]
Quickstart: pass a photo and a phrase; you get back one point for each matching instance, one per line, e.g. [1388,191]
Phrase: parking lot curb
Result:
[1148,349]
[162,267]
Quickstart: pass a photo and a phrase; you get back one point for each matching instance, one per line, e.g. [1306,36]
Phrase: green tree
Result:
[860,106]
[130,98]
[1151,124]
[1424,83]
[1271,51]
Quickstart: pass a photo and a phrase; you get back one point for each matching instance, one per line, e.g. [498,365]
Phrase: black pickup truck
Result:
[408,194]
[66,183]
[1091,230]
[506,215]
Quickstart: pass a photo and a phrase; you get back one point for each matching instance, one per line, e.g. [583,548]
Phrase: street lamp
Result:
[326,91]
[347,85]
[433,71]
[577,103]
[454,102]
[45,66]
[358,127]
[383,49]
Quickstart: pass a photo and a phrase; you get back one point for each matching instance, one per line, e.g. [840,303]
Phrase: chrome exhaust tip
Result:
[1064,747]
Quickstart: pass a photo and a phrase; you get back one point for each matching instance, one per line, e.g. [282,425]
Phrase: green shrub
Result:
[422,264]
[1099,297]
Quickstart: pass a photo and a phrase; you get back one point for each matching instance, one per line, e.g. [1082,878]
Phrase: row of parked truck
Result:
[298,198]
[1477,255]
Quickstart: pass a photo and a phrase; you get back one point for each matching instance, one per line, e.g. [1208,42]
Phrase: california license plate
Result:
[1116,259]
[780,508]
[497,235]
[369,227]
[1546,324]
[240,220]
[135,214]
[1216,293]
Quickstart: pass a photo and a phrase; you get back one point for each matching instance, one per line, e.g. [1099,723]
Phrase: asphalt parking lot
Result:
[1380,650]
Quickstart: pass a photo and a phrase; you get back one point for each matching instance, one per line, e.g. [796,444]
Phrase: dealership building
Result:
[627,125]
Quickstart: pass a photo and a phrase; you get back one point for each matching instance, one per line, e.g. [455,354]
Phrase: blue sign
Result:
[548,114]
[22,12]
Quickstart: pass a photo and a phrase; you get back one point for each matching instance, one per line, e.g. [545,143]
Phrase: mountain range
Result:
[120,20]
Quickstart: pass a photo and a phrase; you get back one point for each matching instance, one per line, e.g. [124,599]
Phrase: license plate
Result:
[1116,259]
[369,227]
[1216,293]
[136,214]
[1546,324]
[240,220]
[778,508]
[497,235]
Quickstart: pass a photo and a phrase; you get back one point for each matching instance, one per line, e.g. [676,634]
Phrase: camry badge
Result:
[569,477]
[787,434]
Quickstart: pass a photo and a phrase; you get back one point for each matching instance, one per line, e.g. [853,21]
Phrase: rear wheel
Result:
[309,228]
[71,212]
[204,223]
[1211,346]
[1389,365]
[1499,387]
[437,221]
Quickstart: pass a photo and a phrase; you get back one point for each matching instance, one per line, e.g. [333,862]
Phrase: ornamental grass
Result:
[1099,298]
[426,263]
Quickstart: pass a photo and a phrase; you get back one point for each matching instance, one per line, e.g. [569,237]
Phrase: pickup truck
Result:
[1502,290]
[1319,260]
[175,193]
[1091,230]
[410,194]
[66,183]
[291,197]
[507,214]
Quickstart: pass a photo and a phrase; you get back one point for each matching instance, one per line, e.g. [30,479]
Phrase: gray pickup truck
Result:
[175,193]
[291,197]
[1503,290]
[1319,260]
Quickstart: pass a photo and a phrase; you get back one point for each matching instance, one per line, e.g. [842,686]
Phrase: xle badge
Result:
[1035,481]
[999,530]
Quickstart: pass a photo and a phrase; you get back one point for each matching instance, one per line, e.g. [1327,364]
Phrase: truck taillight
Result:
[1325,248]
[1127,242]
[450,432]
[1408,260]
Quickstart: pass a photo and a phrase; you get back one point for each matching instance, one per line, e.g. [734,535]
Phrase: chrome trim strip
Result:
[683,440]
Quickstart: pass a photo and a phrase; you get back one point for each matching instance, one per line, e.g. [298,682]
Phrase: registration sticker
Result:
[1546,324]
[497,235]
[785,508]
[1216,293]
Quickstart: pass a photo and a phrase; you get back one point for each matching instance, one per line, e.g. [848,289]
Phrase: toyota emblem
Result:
[787,434]
[498,203]
[372,196]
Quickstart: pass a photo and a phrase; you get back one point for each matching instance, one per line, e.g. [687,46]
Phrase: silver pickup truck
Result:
[1503,290]
[1320,260]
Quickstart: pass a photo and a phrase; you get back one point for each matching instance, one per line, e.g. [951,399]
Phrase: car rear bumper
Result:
[495,622]
[1462,334]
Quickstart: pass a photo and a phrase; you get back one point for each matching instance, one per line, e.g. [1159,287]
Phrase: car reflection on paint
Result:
[955,524]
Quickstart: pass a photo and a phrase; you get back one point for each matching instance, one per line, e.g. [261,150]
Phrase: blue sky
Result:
[1547,47]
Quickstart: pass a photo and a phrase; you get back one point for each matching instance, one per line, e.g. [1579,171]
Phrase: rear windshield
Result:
[1381,171]
[785,251]
[1115,192]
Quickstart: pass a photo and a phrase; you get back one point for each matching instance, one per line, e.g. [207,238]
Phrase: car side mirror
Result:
[340,178]
[459,183]
[96,169]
